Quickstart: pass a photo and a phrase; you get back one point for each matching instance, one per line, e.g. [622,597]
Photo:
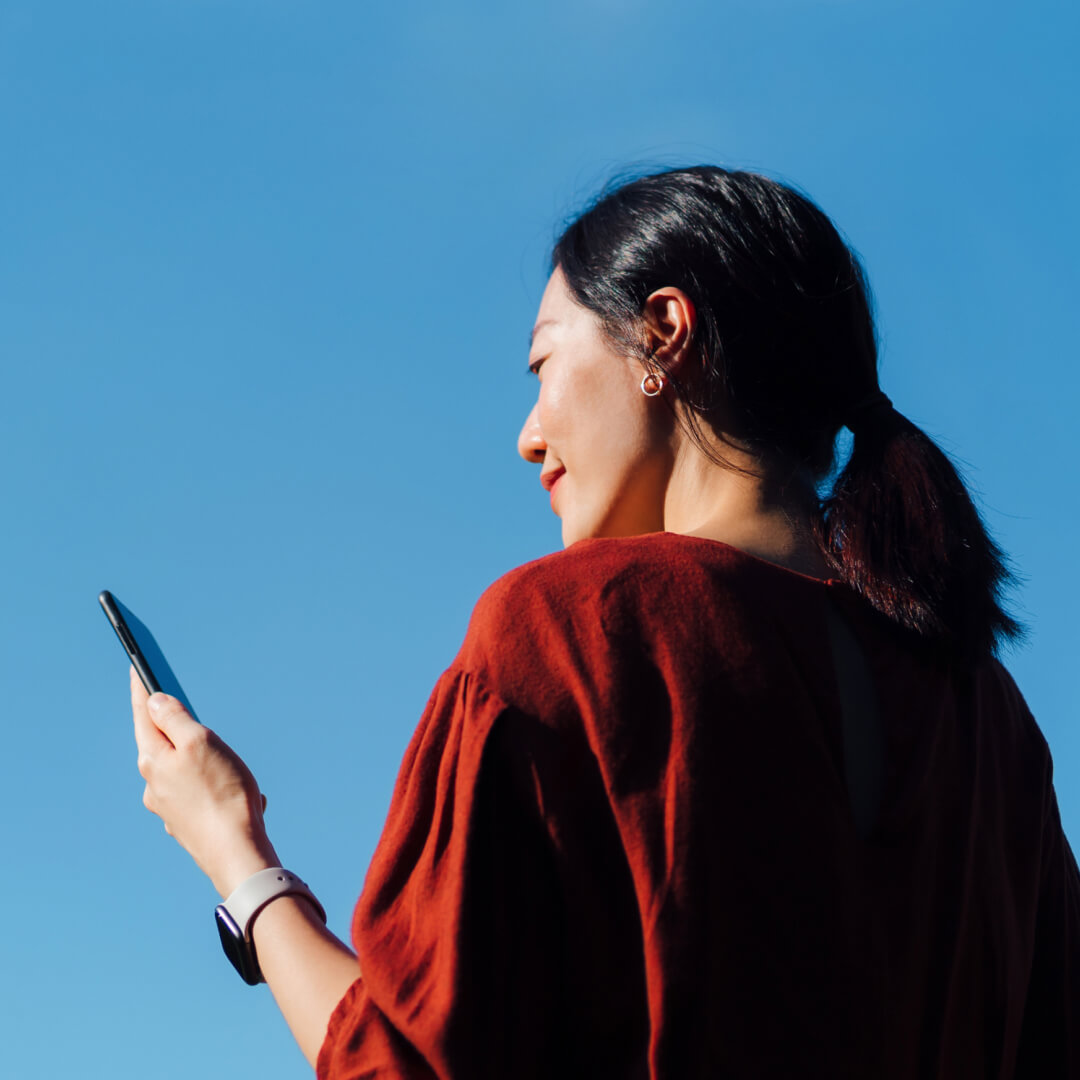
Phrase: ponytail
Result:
[901,529]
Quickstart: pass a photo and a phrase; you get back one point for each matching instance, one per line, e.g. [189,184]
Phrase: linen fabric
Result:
[621,846]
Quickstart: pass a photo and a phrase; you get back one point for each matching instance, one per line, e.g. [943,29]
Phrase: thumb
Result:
[170,717]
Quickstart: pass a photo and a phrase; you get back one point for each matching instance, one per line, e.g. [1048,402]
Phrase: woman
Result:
[731,786]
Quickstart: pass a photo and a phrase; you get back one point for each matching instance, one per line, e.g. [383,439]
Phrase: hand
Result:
[202,791]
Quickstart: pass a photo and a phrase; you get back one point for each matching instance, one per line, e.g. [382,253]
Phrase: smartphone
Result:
[143,651]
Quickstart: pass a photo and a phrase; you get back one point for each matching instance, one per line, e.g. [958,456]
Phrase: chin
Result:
[605,518]
[572,533]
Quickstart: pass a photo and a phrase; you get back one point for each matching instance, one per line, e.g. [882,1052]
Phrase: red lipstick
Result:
[550,479]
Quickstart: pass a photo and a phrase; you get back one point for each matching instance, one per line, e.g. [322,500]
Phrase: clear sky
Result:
[267,273]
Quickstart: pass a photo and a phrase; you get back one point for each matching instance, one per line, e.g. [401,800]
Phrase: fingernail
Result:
[156,702]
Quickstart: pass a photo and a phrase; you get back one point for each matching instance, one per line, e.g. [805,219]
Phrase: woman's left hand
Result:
[202,791]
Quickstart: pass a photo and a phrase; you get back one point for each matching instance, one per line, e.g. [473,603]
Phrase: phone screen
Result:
[143,651]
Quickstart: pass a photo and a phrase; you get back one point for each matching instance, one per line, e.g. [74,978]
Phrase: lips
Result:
[550,479]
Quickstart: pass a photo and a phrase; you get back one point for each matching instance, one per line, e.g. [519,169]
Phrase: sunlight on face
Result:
[600,439]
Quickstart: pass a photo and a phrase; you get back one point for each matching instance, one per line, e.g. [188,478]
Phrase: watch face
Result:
[241,953]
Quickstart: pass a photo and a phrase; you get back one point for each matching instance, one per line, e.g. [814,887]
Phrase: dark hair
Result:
[788,352]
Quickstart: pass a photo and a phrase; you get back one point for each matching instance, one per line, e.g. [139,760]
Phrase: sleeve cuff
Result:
[343,1009]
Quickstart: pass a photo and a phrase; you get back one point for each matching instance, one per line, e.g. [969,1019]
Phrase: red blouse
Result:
[621,845]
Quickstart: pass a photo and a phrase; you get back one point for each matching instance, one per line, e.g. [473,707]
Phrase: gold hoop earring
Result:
[652,383]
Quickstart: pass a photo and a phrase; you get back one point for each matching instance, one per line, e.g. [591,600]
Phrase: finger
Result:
[148,736]
[171,718]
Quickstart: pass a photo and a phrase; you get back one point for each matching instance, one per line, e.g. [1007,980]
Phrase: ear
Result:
[670,322]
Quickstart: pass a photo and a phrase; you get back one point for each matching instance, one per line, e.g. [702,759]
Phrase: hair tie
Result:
[865,412]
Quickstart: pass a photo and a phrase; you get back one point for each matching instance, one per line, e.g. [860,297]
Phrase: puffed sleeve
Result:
[458,930]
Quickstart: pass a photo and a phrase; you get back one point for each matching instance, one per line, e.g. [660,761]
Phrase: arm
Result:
[306,967]
[210,803]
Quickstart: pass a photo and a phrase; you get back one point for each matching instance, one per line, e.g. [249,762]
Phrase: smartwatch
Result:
[236,916]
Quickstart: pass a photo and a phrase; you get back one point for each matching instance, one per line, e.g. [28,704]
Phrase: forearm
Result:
[306,967]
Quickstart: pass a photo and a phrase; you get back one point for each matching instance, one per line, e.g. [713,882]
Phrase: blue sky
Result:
[267,272]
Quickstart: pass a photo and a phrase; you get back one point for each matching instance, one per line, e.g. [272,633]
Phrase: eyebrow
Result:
[542,322]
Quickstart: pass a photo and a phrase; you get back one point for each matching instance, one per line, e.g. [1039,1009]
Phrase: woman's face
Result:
[603,444]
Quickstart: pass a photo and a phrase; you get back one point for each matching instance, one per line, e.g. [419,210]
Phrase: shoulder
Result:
[575,609]
[594,577]
[1001,699]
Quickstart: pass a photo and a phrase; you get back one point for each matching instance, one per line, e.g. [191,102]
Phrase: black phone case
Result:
[143,651]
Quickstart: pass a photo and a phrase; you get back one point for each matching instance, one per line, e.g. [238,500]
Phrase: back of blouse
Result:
[622,844]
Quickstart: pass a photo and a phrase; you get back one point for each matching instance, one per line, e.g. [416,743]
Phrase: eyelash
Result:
[534,367]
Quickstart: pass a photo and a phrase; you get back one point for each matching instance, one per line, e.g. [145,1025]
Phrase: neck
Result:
[765,512]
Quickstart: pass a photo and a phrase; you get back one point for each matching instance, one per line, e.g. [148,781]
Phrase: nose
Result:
[531,445]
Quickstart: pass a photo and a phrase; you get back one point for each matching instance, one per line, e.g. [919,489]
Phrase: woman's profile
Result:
[734,784]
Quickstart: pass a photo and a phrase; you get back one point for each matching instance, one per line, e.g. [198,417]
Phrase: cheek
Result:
[590,418]
[555,408]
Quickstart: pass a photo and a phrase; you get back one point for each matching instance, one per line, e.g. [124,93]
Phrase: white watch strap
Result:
[255,892]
